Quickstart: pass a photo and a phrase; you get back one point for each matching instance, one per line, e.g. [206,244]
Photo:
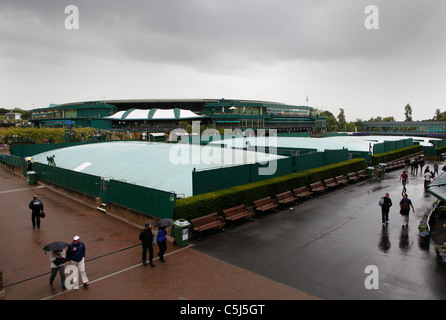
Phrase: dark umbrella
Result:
[57,245]
[165,222]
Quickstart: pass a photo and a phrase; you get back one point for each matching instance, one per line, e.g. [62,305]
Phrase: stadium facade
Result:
[220,113]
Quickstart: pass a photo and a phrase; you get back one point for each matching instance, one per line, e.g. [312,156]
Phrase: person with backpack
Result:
[36,207]
[405,205]
[385,203]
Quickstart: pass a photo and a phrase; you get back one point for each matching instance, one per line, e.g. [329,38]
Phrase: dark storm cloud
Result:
[260,49]
[207,33]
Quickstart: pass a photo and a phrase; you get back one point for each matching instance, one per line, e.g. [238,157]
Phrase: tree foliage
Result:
[50,135]
[408,112]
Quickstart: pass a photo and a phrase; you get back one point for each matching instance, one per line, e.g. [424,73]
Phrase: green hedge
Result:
[395,154]
[440,150]
[207,203]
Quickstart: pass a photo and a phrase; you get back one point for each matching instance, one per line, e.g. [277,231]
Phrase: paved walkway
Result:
[113,257]
[325,245]
[318,249]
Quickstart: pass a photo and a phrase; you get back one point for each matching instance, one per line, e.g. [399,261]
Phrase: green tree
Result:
[331,120]
[408,112]
[341,120]
[359,124]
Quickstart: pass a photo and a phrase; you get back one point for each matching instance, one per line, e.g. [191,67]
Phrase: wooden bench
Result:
[285,198]
[236,213]
[362,174]
[302,193]
[342,180]
[331,183]
[207,222]
[352,176]
[318,187]
[265,204]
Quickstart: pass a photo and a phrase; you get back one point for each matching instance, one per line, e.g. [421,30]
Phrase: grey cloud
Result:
[202,32]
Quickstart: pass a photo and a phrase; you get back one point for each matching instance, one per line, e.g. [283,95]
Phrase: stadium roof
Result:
[154,114]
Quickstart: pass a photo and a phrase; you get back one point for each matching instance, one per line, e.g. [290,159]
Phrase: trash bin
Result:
[442,157]
[369,171]
[382,166]
[181,232]
[32,177]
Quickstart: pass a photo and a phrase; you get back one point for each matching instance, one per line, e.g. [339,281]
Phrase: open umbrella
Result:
[57,245]
[165,222]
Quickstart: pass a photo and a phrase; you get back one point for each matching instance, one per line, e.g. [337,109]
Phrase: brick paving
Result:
[113,257]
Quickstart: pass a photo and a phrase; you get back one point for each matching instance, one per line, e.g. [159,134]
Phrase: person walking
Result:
[421,162]
[427,178]
[415,166]
[436,169]
[146,238]
[405,205]
[161,239]
[404,179]
[76,255]
[385,203]
[57,259]
[36,206]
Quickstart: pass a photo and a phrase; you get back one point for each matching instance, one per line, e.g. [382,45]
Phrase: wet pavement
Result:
[319,249]
[113,257]
[325,246]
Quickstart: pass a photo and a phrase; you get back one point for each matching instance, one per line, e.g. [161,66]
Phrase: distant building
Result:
[13,116]
[425,128]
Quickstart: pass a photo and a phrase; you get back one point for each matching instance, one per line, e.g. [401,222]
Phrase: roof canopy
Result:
[154,114]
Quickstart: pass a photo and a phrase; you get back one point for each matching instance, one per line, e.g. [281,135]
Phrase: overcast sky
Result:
[281,51]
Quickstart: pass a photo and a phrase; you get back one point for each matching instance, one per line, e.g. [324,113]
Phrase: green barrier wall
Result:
[142,199]
[72,180]
[222,178]
[12,160]
[146,200]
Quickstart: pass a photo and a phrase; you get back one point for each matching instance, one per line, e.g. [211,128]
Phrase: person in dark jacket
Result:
[385,208]
[146,238]
[405,205]
[36,206]
[76,255]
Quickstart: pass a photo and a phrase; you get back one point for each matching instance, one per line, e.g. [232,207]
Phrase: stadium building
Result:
[162,115]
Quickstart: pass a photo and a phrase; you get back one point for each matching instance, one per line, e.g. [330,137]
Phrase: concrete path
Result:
[113,257]
[325,246]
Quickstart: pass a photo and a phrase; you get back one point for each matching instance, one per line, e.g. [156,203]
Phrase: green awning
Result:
[438,187]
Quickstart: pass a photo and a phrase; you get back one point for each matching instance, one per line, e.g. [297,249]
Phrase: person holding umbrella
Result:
[161,237]
[57,259]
